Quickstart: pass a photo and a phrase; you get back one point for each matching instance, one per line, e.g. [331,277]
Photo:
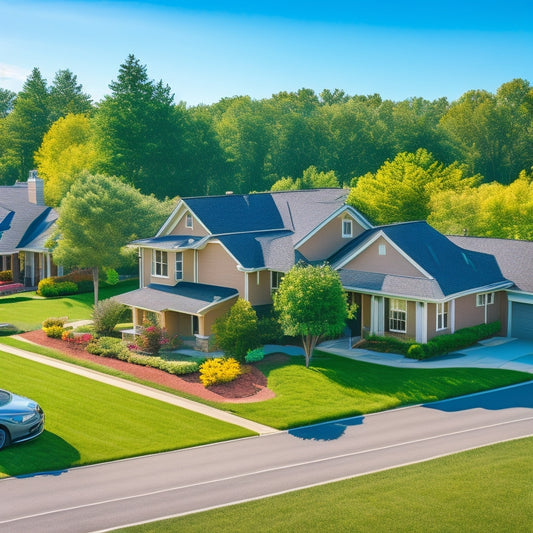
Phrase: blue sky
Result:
[209,50]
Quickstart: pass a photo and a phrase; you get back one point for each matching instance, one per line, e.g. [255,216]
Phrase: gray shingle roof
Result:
[28,218]
[455,269]
[297,211]
[184,297]
[515,258]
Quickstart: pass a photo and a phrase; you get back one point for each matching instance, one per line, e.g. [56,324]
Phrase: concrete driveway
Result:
[497,352]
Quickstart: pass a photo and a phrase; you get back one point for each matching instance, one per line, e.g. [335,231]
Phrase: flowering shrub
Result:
[79,339]
[54,332]
[53,321]
[219,370]
[154,338]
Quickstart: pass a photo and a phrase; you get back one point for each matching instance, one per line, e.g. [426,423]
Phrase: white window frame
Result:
[487,298]
[178,270]
[397,315]
[159,263]
[347,228]
[275,280]
[188,220]
[382,249]
[441,319]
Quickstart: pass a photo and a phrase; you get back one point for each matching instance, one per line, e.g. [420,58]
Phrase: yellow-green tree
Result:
[66,151]
[491,210]
[311,179]
[401,189]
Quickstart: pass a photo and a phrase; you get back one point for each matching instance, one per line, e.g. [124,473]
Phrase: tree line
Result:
[291,140]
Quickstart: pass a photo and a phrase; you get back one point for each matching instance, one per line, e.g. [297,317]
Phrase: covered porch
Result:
[185,309]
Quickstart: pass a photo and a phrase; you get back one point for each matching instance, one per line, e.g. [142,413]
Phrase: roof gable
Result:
[455,269]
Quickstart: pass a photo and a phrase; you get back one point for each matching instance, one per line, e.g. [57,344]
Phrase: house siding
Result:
[468,314]
[209,318]
[181,228]
[217,267]
[392,263]
[259,293]
[328,239]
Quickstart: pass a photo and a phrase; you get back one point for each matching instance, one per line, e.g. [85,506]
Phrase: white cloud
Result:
[12,77]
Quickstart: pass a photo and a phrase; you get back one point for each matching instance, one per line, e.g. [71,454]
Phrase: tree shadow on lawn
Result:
[47,454]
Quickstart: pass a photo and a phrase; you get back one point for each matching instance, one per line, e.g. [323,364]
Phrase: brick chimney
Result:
[35,189]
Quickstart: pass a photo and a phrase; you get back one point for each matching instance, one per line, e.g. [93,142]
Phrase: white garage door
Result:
[522,321]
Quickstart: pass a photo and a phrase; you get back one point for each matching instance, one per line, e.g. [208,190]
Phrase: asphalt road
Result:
[111,495]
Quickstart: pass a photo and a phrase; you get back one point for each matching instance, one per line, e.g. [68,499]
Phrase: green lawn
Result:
[90,422]
[27,310]
[487,489]
[335,387]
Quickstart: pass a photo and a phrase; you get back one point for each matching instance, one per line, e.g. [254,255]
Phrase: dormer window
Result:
[188,220]
[347,228]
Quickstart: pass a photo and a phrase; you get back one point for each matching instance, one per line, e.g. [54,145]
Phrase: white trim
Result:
[246,295]
[154,263]
[444,312]
[358,217]
[347,234]
[174,218]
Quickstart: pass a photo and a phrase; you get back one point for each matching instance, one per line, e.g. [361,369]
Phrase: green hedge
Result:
[440,345]
[113,348]
[50,287]
[6,275]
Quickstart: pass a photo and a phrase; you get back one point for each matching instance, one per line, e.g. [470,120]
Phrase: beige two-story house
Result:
[407,279]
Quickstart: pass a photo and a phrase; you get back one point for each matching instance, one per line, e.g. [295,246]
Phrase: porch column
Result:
[377,315]
[421,322]
[48,265]
[451,310]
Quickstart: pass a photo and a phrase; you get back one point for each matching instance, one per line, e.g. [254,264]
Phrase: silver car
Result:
[20,419]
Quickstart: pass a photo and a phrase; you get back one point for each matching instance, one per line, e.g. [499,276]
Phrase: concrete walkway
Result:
[142,389]
[497,352]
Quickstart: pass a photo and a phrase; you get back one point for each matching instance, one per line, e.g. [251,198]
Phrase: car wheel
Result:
[4,438]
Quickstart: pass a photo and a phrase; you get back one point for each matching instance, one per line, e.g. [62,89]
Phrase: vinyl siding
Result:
[217,267]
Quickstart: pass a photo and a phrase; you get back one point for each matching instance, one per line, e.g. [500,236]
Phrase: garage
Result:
[521,321]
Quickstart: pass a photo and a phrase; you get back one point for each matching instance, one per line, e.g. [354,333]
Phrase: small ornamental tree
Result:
[311,302]
[236,332]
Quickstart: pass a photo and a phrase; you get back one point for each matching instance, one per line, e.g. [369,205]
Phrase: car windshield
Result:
[5,397]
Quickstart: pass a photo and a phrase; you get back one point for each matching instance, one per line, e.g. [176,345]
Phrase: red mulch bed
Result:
[251,386]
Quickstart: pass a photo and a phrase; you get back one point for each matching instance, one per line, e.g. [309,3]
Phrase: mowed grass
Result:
[337,387]
[334,387]
[27,310]
[487,489]
[89,422]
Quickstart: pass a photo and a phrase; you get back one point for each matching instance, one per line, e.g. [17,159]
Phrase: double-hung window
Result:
[484,299]
[159,263]
[442,316]
[188,220]
[179,266]
[398,315]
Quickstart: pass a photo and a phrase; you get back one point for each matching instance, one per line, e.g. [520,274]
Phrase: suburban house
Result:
[407,279]
[26,223]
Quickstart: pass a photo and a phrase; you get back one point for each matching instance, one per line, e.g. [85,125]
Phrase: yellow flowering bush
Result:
[219,370]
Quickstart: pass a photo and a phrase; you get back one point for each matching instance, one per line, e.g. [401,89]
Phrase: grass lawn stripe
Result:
[89,422]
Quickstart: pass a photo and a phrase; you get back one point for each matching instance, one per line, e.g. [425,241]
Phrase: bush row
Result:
[439,345]
[113,348]
[49,287]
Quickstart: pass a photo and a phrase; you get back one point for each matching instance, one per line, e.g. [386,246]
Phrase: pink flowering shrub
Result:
[154,338]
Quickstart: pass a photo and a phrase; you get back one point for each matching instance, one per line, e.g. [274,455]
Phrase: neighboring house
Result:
[408,279]
[28,224]
[515,259]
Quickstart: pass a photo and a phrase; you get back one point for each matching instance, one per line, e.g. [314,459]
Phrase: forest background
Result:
[465,166]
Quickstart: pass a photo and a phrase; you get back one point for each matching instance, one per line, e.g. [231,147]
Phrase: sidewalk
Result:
[143,389]
[497,352]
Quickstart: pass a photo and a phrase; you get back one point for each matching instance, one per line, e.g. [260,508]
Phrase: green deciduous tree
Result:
[401,189]
[311,179]
[311,302]
[98,217]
